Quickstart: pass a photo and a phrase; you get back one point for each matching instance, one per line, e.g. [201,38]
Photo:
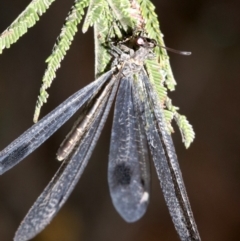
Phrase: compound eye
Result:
[146,42]
[140,41]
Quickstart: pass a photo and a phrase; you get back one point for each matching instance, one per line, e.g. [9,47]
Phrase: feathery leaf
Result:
[59,51]
[25,20]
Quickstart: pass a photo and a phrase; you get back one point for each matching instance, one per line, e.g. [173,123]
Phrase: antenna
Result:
[176,51]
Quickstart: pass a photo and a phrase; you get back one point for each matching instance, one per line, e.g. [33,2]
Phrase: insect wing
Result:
[128,170]
[62,184]
[41,131]
[83,123]
[166,164]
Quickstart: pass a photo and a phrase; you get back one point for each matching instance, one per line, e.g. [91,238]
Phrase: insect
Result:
[138,135]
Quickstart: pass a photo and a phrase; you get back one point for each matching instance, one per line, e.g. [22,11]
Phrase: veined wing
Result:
[128,168]
[166,164]
[62,184]
[41,131]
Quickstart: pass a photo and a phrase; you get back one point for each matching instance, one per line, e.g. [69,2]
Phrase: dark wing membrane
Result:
[166,164]
[41,131]
[128,171]
[62,184]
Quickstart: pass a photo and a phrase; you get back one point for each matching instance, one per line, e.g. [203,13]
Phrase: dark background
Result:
[207,92]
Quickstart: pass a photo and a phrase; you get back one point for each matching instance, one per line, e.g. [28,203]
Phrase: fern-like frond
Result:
[94,13]
[154,73]
[121,12]
[185,127]
[101,33]
[168,118]
[160,73]
[153,29]
[23,22]
[114,17]
[63,43]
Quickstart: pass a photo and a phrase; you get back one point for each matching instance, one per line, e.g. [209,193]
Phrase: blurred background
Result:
[207,93]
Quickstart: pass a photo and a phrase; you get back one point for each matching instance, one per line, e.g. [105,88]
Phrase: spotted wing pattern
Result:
[41,131]
[128,169]
[58,190]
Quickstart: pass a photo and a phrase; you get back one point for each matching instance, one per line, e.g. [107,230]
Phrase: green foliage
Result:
[121,11]
[102,56]
[101,29]
[157,77]
[185,127]
[94,14]
[160,73]
[23,22]
[112,11]
[59,51]
[110,18]
[152,28]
